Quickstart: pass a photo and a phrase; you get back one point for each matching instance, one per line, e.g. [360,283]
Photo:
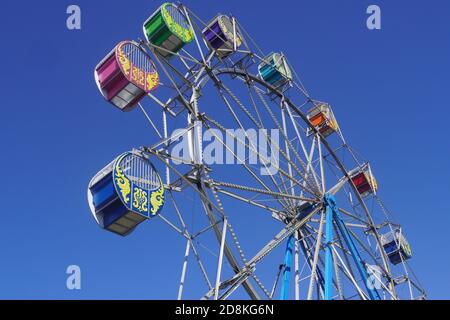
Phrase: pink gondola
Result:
[126,75]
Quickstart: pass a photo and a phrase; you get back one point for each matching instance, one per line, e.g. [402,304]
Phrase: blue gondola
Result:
[125,193]
[396,246]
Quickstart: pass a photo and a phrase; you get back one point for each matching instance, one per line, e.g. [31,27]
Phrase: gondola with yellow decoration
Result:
[126,75]
[168,29]
[125,193]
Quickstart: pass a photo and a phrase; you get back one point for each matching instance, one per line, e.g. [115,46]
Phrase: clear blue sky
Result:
[389,89]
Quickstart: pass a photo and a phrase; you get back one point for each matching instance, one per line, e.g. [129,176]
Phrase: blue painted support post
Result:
[284,295]
[373,293]
[330,205]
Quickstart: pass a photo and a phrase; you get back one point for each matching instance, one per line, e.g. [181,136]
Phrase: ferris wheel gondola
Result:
[323,120]
[223,35]
[125,193]
[126,75]
[168,29]
[275,70]
[396,246]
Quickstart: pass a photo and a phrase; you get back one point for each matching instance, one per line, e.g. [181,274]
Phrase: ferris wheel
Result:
[240,146]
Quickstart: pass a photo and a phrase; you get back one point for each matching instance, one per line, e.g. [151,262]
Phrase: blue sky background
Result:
[389,90]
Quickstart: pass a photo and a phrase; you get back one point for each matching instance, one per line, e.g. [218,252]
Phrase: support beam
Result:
[227,251]
[296,269]
[183,272]
[219,263]
[373,293]
[330,205]
[284,295]
[316,258]
[277,278]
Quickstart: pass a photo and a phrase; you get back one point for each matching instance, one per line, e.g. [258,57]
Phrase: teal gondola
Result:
[275,70]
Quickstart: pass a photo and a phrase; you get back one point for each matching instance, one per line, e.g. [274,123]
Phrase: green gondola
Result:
[169,29]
